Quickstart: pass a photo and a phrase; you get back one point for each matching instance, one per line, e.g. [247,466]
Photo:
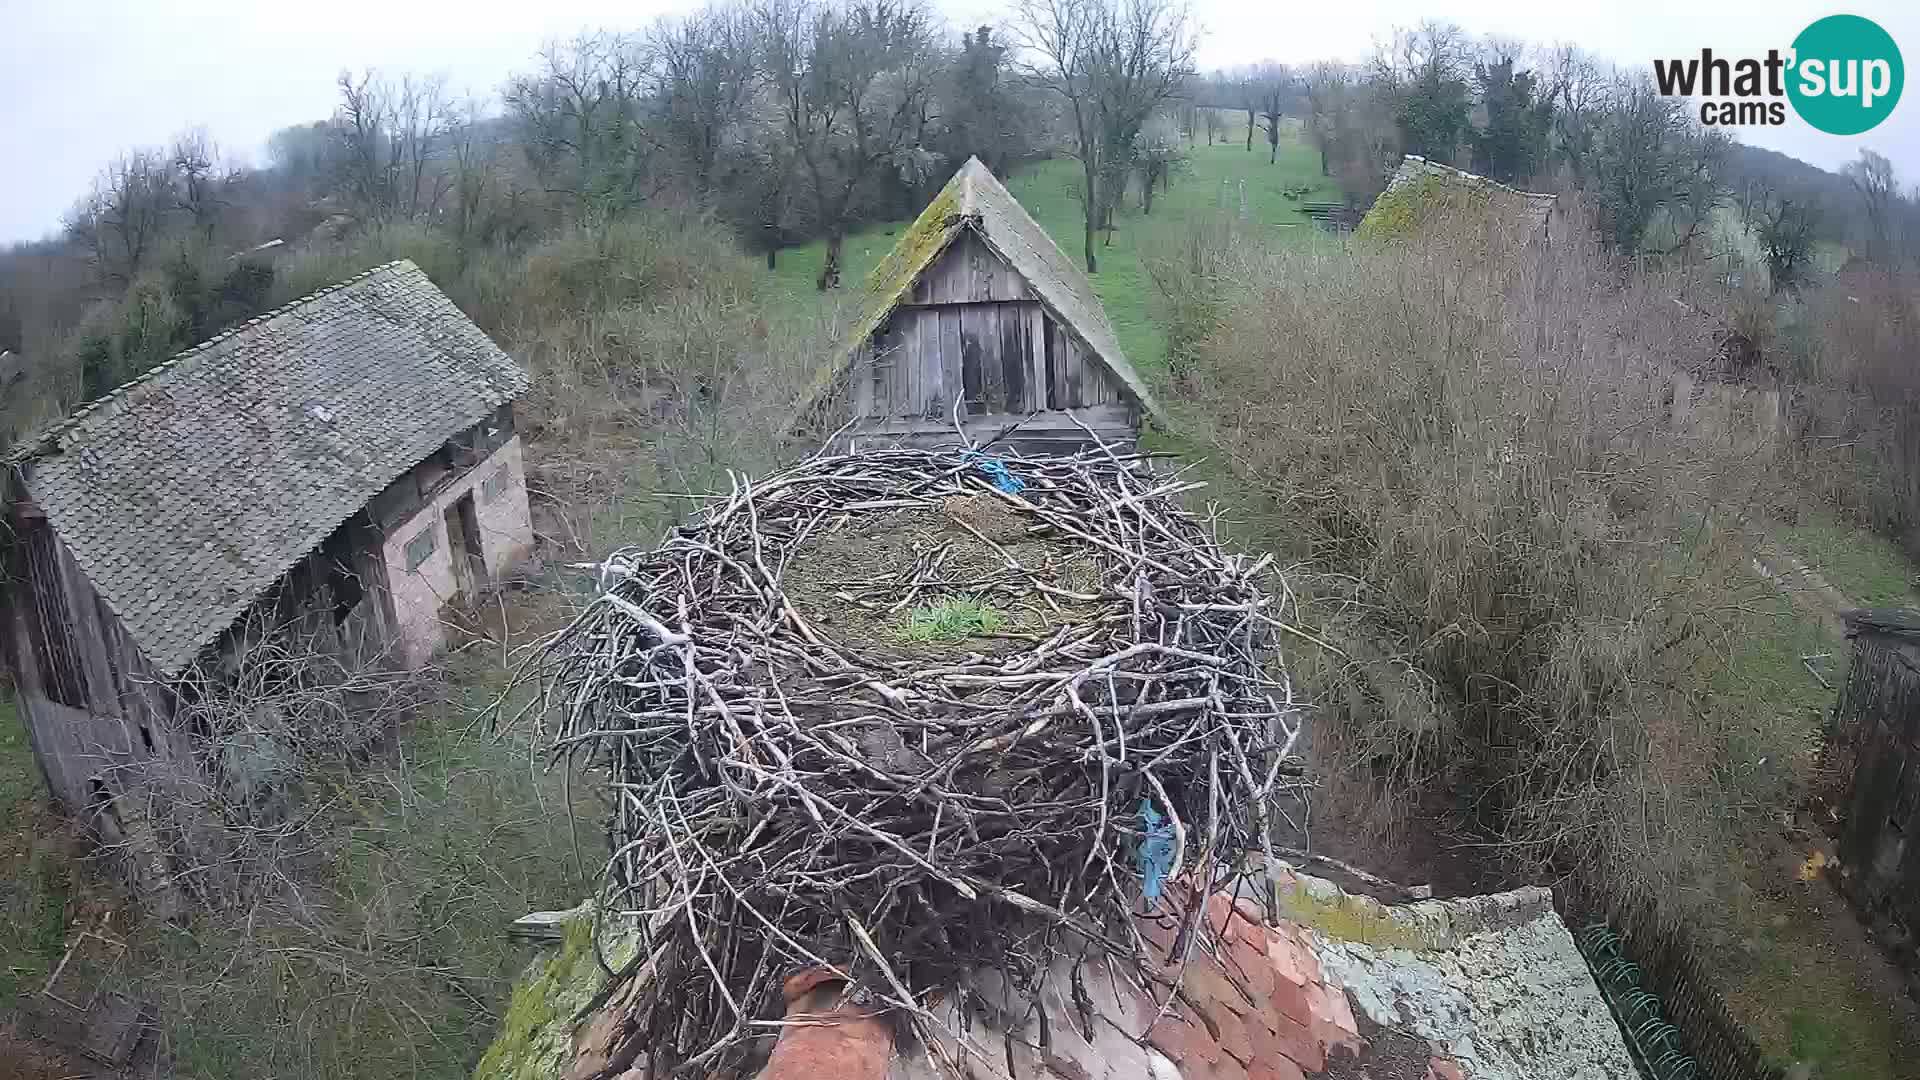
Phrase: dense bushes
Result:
[1856,407]
[1530,576]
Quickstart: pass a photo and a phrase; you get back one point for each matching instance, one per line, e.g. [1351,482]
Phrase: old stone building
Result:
[338,470]
[977,319]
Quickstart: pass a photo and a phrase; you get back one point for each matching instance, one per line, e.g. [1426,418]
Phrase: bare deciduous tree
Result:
[1112,64]
[581,119]
[394,136]
[1273,89]
[706,81]
[120,222]
[196,165]
[1872,176]
[851,79]
[1577,84]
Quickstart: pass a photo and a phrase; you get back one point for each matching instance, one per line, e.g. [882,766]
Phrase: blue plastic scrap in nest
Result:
[1156,851]
[996,470]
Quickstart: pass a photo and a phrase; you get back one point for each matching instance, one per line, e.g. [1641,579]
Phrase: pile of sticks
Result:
[782,800]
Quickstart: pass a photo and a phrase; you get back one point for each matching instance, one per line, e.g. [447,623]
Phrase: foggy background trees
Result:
[793,120]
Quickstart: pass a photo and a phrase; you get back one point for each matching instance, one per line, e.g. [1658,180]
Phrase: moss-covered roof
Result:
[975,199]
[1422,189]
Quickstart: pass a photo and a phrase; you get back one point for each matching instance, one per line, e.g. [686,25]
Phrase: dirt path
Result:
[1804,585]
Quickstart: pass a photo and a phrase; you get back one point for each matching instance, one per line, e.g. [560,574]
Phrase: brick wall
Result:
[506,536]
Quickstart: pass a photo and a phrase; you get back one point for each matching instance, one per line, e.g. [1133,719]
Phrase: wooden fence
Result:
[1672,968]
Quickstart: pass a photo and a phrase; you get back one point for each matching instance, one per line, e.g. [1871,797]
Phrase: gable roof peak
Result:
[976,199]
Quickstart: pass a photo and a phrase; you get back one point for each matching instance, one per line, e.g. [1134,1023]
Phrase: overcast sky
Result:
[81,80]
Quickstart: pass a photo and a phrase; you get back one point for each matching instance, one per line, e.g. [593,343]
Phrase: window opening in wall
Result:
[421,548]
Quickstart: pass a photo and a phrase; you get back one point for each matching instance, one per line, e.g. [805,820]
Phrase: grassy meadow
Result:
[1209,186]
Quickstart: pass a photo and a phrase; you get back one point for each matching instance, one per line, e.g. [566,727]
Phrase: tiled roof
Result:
[1331,984]
[187,492]
[975,199]
[1530,208]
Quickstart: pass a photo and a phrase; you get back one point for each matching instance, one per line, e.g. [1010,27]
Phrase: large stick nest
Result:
[803,773]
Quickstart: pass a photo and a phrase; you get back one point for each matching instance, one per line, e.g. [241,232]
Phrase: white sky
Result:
[81,80]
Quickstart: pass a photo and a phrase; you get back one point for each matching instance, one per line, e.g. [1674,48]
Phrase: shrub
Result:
[1529,575]
[1188,270]
[1856,410]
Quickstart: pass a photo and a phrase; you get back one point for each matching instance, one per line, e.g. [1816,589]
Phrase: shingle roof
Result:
[187,492]
[975,200]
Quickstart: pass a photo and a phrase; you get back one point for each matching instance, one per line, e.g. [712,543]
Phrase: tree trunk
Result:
[1090,203]
[1249,131]
[1325,168]
[830,270]
[773,257]
[1146,194]
[1273,151]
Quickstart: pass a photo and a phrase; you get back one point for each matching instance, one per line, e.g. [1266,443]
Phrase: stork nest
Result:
[796,784]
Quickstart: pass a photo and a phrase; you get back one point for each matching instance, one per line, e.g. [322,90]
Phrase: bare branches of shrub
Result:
[217,799]
[1533,574]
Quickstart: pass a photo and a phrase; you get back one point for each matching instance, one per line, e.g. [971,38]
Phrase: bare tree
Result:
[1785,228]
[1113,64]
[581,119]
[1328,86]
[1273,89]
[473,171]
[707,77]
[121,221]
[1578,86]
[1158,153]
[852,79]
[200,177]
[393,135]
[1652,164]
[1872,176]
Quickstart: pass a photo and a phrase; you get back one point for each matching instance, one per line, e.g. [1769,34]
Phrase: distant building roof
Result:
[187,492]
[1530,208]
[975,199]
[1897,622]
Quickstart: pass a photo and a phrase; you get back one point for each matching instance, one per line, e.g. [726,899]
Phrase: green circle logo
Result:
[1846,74]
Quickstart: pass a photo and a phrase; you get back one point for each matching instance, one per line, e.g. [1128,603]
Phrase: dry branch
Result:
[783,795]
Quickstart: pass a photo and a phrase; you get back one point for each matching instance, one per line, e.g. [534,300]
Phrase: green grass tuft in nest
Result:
[952,620]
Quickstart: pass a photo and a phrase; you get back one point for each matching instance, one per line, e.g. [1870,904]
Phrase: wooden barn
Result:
[977,316]
[337,471]
[1878,728]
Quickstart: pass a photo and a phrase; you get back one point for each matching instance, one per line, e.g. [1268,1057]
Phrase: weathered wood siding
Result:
[108,709]
[972,328]
[1117,425]
[1878,725]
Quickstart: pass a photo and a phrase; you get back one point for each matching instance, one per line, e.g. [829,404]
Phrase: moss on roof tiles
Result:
[188,491]
[975,199]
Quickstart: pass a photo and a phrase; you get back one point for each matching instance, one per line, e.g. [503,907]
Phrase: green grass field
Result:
[1868,568]
[1211,184]
[35,868]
